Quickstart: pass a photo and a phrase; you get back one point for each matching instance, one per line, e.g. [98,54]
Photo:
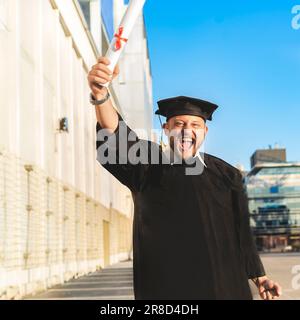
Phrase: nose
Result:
[187,129]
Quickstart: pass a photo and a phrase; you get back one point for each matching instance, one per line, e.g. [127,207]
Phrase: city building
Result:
[61,214]
[268,155]
[274,205]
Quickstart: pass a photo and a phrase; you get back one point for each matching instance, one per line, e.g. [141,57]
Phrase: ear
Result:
[166,129]
[205,130]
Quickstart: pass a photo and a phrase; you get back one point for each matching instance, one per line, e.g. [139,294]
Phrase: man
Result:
[191,233]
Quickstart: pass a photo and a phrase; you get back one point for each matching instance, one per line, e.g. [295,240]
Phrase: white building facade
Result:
[61,214]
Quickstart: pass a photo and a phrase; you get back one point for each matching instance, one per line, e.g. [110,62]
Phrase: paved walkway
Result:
[116,282]
[279,268]
[112,283]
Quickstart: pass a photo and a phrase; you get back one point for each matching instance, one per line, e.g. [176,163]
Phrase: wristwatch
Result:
[98,102]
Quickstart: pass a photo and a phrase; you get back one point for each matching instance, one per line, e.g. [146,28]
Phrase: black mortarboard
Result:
[185,105]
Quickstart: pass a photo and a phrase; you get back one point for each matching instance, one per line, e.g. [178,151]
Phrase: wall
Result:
[54,196]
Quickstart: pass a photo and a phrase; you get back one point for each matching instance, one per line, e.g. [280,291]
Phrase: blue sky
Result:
[243,55]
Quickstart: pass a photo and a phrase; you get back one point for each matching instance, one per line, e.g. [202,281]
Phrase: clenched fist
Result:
[99,75]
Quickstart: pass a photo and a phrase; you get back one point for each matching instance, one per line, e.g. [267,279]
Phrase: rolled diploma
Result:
[135,7]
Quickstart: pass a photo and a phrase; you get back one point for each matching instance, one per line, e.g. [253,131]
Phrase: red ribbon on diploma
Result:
[119,38]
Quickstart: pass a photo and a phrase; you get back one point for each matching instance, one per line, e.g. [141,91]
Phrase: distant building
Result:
[242,170]
[274,204]
[268,155]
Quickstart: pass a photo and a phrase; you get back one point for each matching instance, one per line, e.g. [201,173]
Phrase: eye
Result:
[179,123]
[197,126]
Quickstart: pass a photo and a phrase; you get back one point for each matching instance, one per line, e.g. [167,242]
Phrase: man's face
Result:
[186,134]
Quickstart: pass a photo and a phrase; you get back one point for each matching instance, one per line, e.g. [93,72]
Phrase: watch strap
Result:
[98,102]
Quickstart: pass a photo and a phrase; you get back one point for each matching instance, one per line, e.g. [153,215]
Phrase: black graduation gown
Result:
[191,233]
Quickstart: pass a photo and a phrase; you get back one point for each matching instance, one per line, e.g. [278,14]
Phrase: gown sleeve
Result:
[115,147]
[252,262]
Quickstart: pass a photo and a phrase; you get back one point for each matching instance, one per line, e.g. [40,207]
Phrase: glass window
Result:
[274,189]
[279,171]
[85,7]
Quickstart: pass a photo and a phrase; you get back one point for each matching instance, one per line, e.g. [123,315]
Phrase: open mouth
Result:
[186,144]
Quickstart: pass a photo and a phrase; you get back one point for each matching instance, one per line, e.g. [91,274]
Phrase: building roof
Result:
[260,166]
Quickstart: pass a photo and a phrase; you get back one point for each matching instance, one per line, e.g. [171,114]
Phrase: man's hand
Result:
[267,289]
[99,75]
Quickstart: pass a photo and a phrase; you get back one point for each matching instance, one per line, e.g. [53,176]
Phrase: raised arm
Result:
[117,145]
[100,74]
